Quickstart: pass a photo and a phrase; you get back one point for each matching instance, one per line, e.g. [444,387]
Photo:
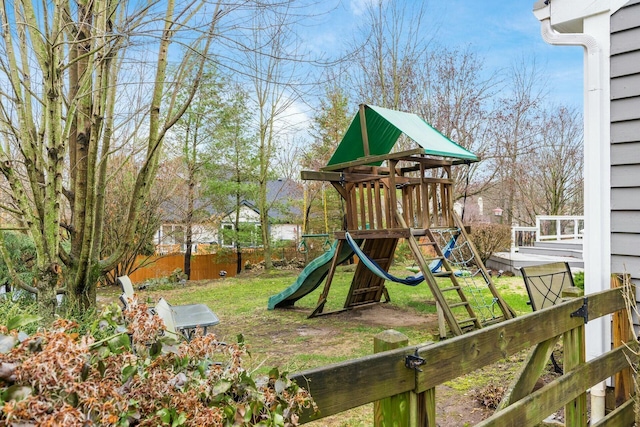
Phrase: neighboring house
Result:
[283,195]
[609,32]
[170,237]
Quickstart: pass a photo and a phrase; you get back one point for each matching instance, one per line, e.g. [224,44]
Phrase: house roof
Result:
[384,127]
[280,194]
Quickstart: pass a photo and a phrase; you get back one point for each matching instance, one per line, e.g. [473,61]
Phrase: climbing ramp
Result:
[366,287]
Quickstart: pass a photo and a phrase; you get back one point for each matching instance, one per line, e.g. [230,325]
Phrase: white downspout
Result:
[597,243]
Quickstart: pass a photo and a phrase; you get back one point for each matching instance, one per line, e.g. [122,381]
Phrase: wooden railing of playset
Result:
[425,203]
[409,375]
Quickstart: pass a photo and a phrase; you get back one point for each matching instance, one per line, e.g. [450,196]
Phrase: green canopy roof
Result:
[384,127]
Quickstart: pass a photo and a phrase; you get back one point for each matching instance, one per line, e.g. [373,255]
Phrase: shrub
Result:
[136,375]
[19,305]
[490,238]
[403,253]
[22,252]
[578,279]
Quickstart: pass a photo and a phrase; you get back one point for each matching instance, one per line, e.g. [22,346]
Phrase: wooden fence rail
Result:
[342,386]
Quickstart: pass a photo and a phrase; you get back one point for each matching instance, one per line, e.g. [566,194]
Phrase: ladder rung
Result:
[452,288]
[459,304]
[469,320]
[442,274]
[426,243]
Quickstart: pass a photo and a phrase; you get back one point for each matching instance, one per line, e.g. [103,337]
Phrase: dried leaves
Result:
[138,377]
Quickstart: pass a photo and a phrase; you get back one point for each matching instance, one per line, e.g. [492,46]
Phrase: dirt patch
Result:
[454,408]
[391,317]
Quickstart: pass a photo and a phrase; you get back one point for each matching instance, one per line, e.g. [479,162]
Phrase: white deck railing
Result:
[559,227]
[548,228]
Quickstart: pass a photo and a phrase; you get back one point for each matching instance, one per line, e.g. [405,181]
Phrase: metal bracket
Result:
[583,311]
[412,361]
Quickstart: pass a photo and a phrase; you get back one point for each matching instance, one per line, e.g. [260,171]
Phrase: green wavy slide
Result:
[310,278]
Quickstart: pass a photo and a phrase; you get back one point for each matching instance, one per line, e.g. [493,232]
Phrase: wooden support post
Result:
[529,374]
[574,355]
[363,128]
[322,299]
[378,187]
[622,332]
[393,410]
[404,409]
[392,193]
[424,189]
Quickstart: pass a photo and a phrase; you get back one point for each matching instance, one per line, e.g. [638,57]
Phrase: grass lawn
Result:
[287,339]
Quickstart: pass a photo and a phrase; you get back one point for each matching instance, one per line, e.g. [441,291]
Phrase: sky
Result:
[500,31]
[504,30]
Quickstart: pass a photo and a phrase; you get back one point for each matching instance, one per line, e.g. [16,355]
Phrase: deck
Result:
[541,253]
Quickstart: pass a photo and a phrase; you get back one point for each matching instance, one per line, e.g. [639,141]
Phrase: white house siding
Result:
[625,140]
[285,232]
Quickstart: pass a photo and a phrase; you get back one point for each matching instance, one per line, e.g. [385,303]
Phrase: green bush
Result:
[403,253]
[137,374]
[19,304]
[22,251]
[578,279]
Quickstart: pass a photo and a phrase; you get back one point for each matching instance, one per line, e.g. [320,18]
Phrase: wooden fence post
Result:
[622,332]
[574,356]
[394,410]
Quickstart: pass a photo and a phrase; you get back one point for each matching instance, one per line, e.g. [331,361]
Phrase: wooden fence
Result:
[204,267]
[415,371]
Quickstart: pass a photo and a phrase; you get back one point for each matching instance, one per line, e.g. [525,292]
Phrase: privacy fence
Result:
[209,266]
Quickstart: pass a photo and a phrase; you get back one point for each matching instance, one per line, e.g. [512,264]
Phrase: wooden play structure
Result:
[408,195]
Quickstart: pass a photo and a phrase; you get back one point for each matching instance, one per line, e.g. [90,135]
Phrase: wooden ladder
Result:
[445,307]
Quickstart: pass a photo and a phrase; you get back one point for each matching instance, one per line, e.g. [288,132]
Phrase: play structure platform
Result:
[391,197]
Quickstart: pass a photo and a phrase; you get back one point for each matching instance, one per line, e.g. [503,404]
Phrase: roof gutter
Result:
[589,42]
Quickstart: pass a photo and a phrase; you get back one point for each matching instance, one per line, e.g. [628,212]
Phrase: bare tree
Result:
[390,53]
[515,128]
[63,66]
[458,102]
[552,182]
[272,65]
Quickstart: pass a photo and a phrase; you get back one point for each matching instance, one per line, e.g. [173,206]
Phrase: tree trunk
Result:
[189,226]
[187,254]
[239,259]
[49,279]
[266,239]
